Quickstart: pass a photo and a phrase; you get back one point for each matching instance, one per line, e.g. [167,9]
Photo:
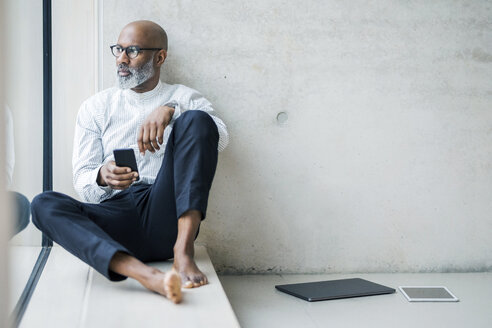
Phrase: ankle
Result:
[149,273]
[183,254]
[187,249]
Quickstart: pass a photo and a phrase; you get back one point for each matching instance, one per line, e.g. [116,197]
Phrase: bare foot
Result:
[191,276]
[172,287]
[167,284]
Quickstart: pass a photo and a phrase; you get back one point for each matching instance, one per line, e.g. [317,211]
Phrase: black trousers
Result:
[141,220]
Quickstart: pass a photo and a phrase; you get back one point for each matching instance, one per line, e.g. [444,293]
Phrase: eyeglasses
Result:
[131,51]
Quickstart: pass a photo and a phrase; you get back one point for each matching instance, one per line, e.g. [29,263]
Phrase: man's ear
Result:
[161,57]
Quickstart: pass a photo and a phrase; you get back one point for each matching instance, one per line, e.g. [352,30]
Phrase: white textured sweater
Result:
[111,119]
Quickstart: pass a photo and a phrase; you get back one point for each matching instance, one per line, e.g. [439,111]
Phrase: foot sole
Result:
[172,286]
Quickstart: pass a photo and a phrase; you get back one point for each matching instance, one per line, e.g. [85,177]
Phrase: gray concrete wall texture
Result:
[381,157]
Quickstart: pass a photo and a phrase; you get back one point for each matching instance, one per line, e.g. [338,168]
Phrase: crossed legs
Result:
[140,224]
[167,284]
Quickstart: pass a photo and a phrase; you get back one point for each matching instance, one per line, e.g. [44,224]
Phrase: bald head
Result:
[145,34]
[140,72]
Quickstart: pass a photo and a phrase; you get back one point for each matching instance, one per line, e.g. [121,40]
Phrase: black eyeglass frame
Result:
[137,48]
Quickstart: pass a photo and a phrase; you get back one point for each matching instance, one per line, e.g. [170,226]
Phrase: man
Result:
[176,137]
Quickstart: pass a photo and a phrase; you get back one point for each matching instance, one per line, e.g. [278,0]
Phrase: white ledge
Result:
[71,294]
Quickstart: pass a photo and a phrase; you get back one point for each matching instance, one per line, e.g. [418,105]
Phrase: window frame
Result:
[47,243]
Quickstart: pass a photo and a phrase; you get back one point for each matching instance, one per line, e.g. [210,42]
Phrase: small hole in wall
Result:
[282,118]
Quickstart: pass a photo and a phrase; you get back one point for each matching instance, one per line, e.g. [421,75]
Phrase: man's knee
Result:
[200,122]
[195,114]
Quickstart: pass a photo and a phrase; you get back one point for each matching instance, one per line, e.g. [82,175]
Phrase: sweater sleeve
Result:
[88,156]
[195,101]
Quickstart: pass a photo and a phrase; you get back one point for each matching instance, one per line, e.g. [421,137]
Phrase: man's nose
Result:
[122,59]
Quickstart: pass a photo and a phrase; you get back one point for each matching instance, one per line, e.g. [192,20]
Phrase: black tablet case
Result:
[334,289]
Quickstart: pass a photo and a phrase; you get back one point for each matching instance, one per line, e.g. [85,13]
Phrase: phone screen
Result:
[126,158]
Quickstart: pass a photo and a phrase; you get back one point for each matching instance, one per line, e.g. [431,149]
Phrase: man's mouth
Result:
[123,73]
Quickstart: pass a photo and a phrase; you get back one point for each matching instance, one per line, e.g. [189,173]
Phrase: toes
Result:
[199,281]
[193,280]
[203,280]
[196,281]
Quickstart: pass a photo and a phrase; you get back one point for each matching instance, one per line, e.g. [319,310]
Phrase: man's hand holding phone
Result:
[116,177]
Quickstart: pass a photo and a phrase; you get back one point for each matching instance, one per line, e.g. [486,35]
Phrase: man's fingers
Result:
[160,133]
[123,177]
[148,146]
[118,178]
[153,139]
[145,138]
[155,145]
[120,170]
[140,140]
[117,184]
[152,132]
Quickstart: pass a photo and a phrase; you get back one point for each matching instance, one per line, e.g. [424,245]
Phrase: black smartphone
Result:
[126,158]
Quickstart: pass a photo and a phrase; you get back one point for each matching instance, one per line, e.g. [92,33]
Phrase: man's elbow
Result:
[223,140]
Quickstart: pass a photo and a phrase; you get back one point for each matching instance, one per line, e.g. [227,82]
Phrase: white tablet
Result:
[428,294]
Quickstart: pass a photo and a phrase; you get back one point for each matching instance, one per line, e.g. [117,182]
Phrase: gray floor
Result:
[69,293]
[257,303]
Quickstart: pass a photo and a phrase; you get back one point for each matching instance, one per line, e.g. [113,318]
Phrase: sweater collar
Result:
[144,95]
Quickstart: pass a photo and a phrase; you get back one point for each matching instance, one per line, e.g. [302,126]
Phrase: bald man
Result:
[130,217]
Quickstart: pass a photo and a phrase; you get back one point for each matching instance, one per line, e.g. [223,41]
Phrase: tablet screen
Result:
[428,294]
[431,292]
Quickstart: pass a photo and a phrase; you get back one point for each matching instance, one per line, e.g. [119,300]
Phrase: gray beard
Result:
[137,75]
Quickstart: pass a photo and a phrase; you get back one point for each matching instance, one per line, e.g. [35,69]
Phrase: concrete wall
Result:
[382,158]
